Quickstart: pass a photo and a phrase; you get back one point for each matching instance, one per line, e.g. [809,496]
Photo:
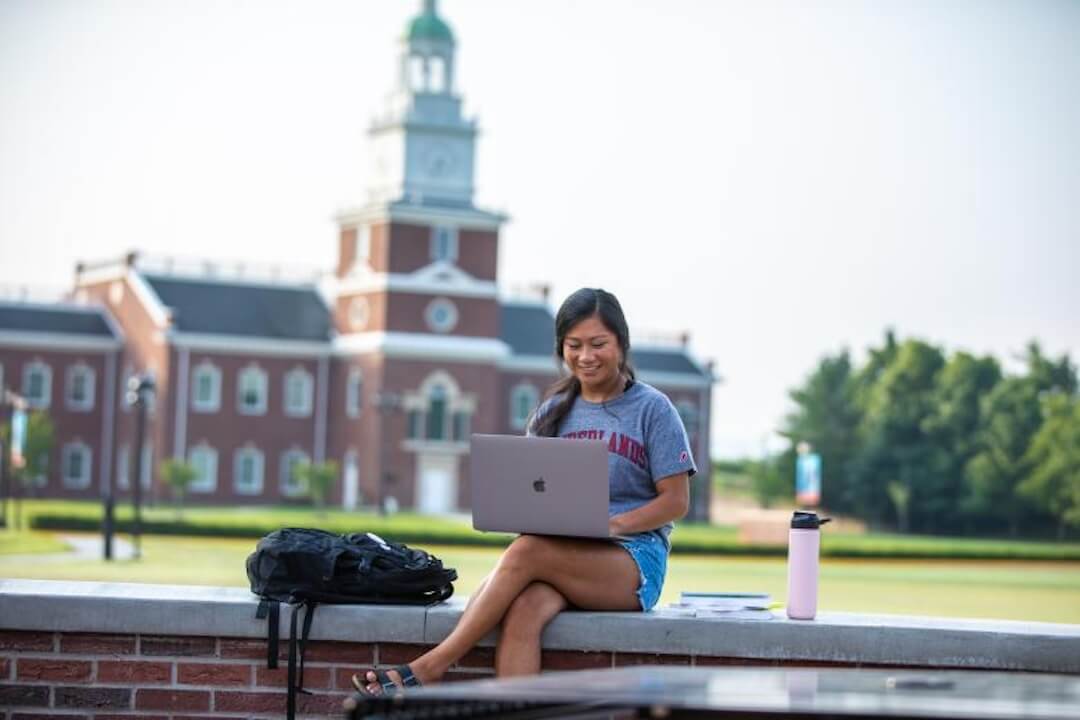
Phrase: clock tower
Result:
[423,147]
[416,299]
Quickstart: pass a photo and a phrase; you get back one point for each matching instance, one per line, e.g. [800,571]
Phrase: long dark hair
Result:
[581,305]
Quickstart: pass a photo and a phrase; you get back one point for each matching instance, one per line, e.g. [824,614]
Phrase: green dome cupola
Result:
[429,26]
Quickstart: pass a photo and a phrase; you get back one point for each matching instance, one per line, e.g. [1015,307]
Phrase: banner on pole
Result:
[808,479]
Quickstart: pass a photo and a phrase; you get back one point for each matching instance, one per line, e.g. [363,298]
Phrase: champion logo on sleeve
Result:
[684,456]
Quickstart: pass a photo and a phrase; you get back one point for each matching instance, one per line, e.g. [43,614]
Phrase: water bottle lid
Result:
[803,520]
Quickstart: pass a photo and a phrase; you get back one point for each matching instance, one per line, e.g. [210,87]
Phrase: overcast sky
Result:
[781,179]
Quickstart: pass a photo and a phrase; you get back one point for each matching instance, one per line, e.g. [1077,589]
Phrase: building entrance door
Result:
[436,491]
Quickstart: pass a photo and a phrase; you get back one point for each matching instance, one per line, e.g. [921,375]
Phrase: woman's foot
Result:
[382,682]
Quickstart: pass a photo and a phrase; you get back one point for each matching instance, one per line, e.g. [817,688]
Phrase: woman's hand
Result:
[671,503]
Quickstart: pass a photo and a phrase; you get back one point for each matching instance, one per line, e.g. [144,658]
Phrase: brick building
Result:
[385,365]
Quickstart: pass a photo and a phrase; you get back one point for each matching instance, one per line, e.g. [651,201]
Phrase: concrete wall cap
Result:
[843,638]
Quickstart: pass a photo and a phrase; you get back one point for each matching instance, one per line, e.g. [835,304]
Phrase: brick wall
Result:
[100,676]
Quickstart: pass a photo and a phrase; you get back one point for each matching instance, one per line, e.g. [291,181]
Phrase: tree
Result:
[767,482]
[952,429]
[827,417]
[1011,417]
[895,446]
[317,479]
[39,443]
[1054,458]
[178,475]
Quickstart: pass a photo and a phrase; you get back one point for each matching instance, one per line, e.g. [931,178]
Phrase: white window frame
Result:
[204,459]
[306,388]
[82,482]
[522,391]
[354,393]
[419,411]
[210,404]
[444,243]
[89,378]
[258,464]
[43,402]
[261,377]
[285,485]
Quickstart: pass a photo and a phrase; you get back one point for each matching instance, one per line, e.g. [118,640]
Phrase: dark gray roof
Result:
[56,319]
[530,330]
[223,308]
[674,360]
[527,329]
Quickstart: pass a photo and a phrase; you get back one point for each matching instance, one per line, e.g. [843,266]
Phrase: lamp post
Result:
[140,393]
[386,402]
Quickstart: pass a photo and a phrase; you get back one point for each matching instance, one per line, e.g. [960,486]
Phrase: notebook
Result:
[542,486]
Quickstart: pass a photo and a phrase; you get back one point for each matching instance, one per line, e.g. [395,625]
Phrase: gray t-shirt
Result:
[646,442]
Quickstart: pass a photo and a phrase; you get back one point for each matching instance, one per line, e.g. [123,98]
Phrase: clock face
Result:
[439,161]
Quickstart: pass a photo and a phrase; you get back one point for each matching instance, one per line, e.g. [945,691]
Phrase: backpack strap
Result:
[272,610]
[309,615]
[290,703]
[296,654]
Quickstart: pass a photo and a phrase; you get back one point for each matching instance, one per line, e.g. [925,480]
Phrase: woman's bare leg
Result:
[518,649]
[593,575]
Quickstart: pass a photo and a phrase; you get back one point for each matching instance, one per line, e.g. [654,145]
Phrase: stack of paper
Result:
[730,605]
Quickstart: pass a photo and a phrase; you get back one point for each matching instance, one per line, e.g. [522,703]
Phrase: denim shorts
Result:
[650,553]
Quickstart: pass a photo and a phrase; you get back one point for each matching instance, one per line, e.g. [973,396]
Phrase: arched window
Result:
[76,459]
[248,468]
[291,483]
[444,243]
[523,399]
[205,461]
[437,75]
[252,391]
[37,384]
[299,389]
[417,74]
[438,411]
[205,388]
[80,387]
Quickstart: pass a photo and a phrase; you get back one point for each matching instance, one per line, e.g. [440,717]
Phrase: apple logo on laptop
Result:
[539,485]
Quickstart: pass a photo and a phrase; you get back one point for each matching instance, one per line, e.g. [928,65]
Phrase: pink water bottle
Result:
[804,544]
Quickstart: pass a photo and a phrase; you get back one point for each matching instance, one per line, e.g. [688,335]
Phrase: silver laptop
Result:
[542,486]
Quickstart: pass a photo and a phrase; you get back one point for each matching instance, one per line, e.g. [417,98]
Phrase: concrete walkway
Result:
[83,547]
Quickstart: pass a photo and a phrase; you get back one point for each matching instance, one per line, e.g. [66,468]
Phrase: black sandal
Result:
[408,680]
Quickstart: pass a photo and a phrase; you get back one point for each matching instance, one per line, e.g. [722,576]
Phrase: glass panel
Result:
[78,387]
[35,386]
[204,388]
[75,462]
[461,426]
[436,417]
[415,422]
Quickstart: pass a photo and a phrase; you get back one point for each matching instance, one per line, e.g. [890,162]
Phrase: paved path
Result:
[83,547]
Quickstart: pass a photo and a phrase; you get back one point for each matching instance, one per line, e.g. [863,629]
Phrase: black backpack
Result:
[305,567]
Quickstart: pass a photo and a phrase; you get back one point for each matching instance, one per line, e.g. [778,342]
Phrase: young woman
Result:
[649,466]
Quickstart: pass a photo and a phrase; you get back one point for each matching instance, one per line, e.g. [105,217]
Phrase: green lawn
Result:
[1019,590]
[29,543]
